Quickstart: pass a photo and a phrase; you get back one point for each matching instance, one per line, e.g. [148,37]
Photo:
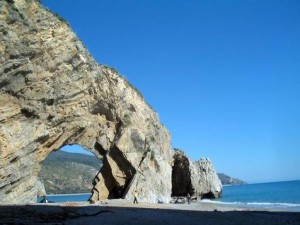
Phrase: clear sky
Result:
[224,76]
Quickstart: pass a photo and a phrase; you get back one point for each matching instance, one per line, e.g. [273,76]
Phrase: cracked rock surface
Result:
[53,93]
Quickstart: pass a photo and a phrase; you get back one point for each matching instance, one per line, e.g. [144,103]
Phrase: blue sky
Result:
[224,76]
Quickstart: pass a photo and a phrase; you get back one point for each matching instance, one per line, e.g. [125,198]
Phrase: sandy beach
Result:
[123,212]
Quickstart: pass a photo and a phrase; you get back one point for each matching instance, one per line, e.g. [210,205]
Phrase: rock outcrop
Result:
[196,178]
[53,93]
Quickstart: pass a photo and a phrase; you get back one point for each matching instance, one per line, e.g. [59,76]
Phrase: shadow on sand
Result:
[55,214]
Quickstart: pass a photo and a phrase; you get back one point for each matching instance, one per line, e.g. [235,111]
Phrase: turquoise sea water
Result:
[276,195]
[67,197]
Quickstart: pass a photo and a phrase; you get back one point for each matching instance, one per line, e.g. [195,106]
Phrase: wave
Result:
[272,204]
[257,204]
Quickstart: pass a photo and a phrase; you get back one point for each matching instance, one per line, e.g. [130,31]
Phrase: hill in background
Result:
[227,180]
[65,173]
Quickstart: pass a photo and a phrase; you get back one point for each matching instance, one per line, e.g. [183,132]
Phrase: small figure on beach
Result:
[44,200]
[135,197]
[188,198]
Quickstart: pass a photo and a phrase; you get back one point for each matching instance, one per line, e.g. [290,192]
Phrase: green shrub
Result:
[8,191]
[126,120]
[152,155]
[61,19]
[58,17]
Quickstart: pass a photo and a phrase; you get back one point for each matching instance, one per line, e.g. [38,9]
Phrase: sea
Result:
[283,195]
[81,197]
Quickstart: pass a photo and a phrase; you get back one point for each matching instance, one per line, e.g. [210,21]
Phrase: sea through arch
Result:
[67,174]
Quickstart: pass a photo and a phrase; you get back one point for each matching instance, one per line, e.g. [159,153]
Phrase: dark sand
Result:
[144,214]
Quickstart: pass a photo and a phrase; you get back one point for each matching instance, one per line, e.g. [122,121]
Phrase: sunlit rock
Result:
[196,178]
[53,93]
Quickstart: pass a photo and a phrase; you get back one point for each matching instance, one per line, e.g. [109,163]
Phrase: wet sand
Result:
[121,212]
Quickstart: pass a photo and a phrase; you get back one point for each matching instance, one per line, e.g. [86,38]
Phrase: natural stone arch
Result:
[53,93]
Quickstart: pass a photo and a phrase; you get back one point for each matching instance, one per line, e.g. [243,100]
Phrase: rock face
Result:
[53,93]
[40,189]
[195,178]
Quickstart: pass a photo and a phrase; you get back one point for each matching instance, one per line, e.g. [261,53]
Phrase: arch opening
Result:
[181,175]
[70,170]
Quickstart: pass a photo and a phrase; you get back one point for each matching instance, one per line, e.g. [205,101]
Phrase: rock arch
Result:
[53,93]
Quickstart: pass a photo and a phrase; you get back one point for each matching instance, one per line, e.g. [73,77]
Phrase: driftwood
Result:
[77,215]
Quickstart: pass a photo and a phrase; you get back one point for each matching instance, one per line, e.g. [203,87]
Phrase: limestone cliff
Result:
[197,178]
[53,93]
